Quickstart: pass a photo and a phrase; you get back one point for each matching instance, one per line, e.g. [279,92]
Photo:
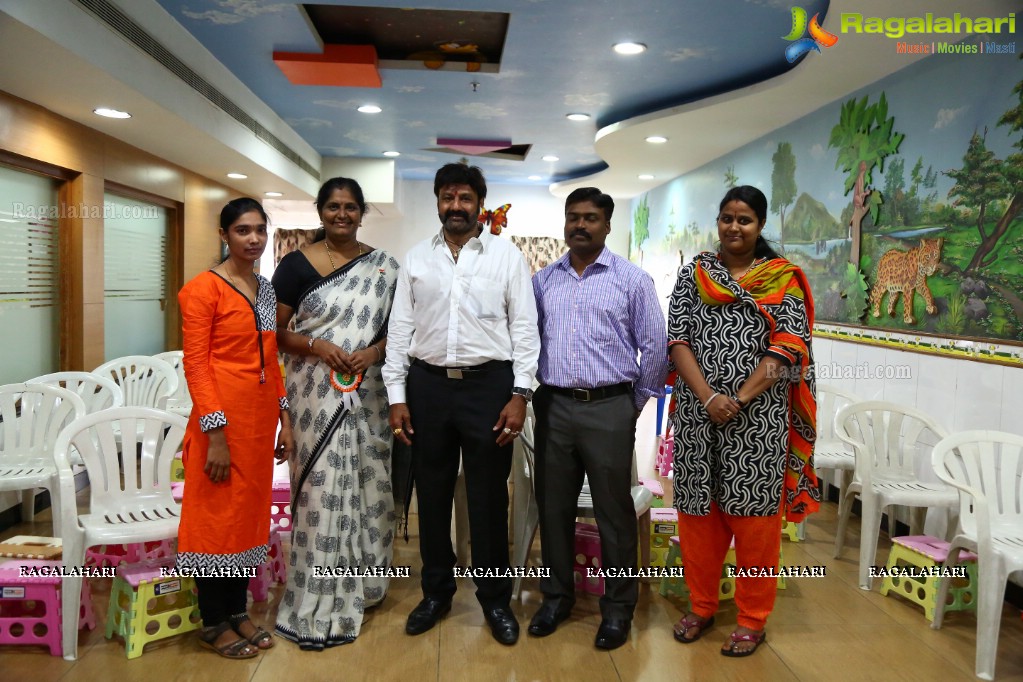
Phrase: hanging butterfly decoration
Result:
[497,219]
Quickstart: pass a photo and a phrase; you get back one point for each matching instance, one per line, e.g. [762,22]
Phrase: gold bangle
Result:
[380,353]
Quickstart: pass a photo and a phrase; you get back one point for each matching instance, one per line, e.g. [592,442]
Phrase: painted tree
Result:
[894,192]
[978,183]
[731,179]
[863,138]
[783,182]
[1012,170]
[641,226]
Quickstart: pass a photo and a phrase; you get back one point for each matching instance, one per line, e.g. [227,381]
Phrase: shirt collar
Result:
[605,259]
[483,239]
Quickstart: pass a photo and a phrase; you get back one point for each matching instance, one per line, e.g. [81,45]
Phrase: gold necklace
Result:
[331,258]
[456,251]
[746,271]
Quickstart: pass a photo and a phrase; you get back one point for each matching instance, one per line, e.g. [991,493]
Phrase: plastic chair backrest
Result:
[143,379]
[97,392]
[892,442]
[32,416]
[143,482]
[175,358]
[986,466]
[830,399]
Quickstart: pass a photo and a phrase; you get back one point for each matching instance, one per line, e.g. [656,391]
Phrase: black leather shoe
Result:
[546,620]
[502,624]
[613,633]
[426,614]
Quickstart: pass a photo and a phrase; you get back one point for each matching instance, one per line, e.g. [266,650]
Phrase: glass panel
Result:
[29,304]
[134,277]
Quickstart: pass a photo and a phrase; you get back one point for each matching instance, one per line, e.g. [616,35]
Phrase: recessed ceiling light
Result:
[273,194]
[657,139]
[392,153]
[578,117]
[370,109]
[550,157]
[629,48]
[237,176]
[111,113]
[535,177]
[646,176]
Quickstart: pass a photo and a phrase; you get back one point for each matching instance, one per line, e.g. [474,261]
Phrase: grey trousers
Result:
[595,438]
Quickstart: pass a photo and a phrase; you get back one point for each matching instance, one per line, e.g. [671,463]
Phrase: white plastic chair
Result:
[892,445]
[179,402]
[985,467]
[828,451]
[143,379]
[32,416]
[97,392]
[130,497]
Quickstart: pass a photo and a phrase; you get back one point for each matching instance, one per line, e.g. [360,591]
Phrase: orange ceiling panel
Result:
[353,66]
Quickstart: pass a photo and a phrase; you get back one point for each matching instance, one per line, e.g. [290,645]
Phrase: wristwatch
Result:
[526,393]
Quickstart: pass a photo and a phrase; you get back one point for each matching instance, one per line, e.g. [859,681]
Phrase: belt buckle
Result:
[454,373]
[581,394]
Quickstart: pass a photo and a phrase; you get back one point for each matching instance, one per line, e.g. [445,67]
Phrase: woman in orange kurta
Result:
[238,397]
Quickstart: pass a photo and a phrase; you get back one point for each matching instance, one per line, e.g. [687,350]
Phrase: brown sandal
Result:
[258,639]
[235,649]
[689,622]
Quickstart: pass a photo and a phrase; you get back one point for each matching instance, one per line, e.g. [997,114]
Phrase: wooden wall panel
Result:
[87,161]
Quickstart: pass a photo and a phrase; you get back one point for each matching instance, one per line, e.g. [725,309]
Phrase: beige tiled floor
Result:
[822,629]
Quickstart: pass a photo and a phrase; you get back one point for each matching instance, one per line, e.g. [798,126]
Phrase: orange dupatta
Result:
[768,283]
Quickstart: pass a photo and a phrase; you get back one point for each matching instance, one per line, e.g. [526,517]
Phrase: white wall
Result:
[959,394]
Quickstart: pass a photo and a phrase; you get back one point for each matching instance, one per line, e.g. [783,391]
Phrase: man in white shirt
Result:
[462,350]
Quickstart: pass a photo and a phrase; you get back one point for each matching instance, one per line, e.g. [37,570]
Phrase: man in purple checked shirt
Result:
[603,355]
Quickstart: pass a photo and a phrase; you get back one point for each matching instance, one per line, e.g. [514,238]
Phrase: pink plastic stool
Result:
[178,490]
[259,584]
[280,506]
[30,606]
[653,485]
[115,555]
[587,556]
[270,571]
[276,556]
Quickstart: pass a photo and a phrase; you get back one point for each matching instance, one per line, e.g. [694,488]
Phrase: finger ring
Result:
[397,432]
[507,430]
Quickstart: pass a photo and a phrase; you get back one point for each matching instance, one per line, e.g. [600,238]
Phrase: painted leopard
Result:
[906,272]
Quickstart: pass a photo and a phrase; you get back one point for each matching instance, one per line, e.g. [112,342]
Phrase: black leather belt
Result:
[462,372]
[587,395]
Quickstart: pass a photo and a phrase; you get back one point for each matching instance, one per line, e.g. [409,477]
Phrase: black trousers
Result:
[454,418]
[595,439]
[220,598]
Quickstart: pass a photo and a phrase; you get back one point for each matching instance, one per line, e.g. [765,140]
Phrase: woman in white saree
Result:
[337,291]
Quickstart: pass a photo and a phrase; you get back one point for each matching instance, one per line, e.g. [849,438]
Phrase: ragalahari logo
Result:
[801,45]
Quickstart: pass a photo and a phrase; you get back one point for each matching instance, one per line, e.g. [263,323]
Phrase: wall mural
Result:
[903,203]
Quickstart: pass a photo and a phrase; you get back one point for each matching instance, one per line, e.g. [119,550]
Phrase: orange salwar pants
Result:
[704,541]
